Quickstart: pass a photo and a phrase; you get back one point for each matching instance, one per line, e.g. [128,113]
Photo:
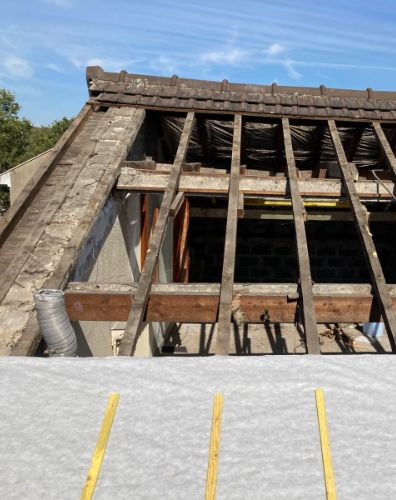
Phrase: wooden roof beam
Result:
[227,281]
[310,327]
[251,185]
[199,302]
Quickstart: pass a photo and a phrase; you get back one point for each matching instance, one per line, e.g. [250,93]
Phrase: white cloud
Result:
[54,67]
[164,65]
[16,66]
[291,70]
[275,49]
[106,63]
[232,56]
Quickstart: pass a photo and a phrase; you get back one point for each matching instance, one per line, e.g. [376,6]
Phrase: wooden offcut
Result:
[100,448]
[214,448]
[325,446]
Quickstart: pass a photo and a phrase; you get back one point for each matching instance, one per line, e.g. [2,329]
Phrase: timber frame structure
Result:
[213,128]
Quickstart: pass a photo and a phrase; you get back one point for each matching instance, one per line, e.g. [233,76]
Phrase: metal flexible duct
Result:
[54,323]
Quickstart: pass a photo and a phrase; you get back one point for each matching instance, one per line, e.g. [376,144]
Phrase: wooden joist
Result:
[367,243]
[227,280]
[199,303]
[217,184]
[137,312]
[308,311]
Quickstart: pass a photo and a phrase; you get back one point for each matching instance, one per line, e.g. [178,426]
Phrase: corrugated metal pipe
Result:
[54,323]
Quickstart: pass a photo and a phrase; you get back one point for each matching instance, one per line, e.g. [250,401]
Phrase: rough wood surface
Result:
[198,303]
[136,314]
[310,327]
[214,448]
[227,279]
[132,179]
[367,243]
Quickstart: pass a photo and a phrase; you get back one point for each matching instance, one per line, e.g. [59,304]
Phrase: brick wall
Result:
[266,251]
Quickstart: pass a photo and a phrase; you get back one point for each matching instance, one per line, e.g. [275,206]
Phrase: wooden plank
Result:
[181,256]
[176,204]
[367,243]
[214,448]
[325,445]
[385,147]
[198,303]
[136,314]
[310,327]
[227,280]
[100,448]
[251,185]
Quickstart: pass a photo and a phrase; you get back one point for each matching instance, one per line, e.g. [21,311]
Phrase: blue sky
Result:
[46,44]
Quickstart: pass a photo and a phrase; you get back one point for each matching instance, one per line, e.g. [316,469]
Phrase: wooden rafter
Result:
[227,281]
[360,217]
[138,308]
[310,327]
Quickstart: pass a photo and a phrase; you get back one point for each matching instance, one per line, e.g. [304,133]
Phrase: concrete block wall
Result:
[266,251]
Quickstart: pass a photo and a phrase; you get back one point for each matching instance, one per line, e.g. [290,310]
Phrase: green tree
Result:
[20,140]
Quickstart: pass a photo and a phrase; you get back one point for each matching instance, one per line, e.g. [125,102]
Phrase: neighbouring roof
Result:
[202,95]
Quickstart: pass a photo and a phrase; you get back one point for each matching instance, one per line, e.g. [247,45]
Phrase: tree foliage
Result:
[20,140]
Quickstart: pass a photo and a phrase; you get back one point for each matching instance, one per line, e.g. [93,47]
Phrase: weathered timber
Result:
[359,213]
[385,147]
[199,303]
[176,204]
[308,311]
[217,184]
[137,311]
[108,158]
[227,280]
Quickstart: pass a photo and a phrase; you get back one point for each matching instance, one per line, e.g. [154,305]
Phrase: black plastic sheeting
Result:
[262,148]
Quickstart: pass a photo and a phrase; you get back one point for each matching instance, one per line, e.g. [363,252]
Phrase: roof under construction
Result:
[202,145]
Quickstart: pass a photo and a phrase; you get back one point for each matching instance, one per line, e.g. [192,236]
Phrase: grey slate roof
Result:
[202,95]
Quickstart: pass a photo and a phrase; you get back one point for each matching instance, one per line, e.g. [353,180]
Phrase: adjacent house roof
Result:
[203,95]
